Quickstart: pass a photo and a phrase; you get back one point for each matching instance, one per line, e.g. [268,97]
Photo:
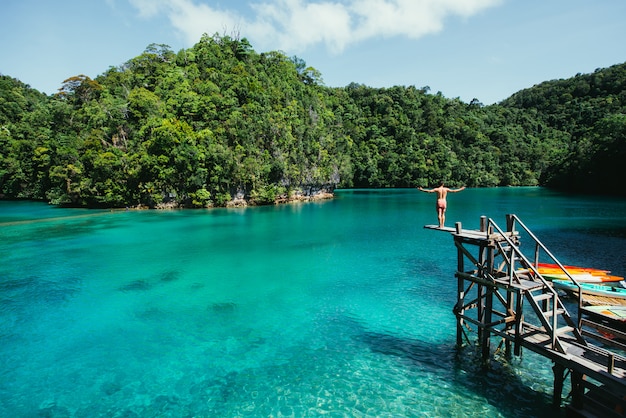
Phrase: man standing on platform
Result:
[442,192]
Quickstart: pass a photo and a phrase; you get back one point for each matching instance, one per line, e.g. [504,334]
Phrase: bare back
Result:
[441,191]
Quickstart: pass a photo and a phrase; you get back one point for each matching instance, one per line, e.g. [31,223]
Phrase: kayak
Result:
[580,274]
[611,320]
[615,313]
[582,277]
[591,289]
[548,266]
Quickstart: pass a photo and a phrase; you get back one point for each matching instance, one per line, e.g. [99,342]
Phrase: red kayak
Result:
[571,269]
[580,274]
[583,277]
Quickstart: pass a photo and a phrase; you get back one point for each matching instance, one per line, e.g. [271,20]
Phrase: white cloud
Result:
[148,8]
[194,20]
[410,18]
[294,25]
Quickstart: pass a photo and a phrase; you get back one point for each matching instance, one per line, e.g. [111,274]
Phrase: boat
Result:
[581,277]
[614,313]
[592,289]
[592,270]
[608,320]
[580,274]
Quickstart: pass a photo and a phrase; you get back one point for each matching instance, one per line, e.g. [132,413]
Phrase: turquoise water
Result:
[338,308]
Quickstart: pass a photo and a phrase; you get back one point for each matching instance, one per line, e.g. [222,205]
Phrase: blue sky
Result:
[483,49]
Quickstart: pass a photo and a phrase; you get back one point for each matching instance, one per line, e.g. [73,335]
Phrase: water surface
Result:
[337,308]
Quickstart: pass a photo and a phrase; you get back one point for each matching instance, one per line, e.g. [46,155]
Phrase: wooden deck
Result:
[499,295]
[590,360]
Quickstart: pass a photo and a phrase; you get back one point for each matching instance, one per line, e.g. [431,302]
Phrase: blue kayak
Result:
[592,288]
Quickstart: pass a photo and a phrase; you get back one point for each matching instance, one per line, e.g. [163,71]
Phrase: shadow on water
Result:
[33,288]
[222,307]
[497,381]
[136,285]
[43,296]
[140,285]
[170,276]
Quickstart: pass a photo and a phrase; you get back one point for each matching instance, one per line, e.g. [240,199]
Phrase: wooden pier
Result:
[502,295]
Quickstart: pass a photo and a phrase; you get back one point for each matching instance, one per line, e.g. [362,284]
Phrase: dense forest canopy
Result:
[219,120]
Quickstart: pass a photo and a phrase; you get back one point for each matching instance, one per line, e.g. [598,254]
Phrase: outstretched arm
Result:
[456,190]
[425,190]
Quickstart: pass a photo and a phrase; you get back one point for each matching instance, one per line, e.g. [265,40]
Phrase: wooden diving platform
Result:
[438,228]
[467,234]
[500,292]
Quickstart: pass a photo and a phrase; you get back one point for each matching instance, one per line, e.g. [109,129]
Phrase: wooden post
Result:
[510,223]
[519,319]
[578,389]
[559,378]
[510,308]
[486,260]
[460,322]
[480,303]
[460,294]
[485,343]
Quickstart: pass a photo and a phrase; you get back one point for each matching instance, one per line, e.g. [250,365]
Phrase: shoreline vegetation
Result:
[297,196]
[221,125]
[240,201]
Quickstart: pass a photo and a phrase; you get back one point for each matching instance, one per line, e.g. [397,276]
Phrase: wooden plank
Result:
[601,300]
[467,233]
[584,359]
[436,227]
[589,360]
[528,284]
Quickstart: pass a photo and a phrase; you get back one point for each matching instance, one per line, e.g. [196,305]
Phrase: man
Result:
[442,192]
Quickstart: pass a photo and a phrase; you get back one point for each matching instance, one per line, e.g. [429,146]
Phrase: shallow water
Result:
[337,308]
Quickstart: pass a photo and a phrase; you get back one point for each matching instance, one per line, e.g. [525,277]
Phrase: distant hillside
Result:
[591,108]
[219,121]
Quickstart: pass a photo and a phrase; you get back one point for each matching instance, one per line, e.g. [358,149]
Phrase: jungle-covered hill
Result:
[219,120]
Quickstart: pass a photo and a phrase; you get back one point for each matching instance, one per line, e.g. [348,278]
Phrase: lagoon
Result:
[334,308]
